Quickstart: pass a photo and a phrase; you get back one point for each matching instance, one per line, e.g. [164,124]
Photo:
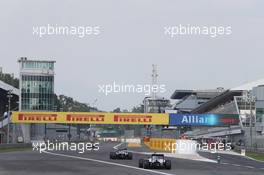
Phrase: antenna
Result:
[154,78]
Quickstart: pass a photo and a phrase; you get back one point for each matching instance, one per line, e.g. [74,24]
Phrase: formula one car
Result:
[156,161]
[121,154]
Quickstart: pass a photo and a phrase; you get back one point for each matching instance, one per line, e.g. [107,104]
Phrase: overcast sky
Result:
[131,40]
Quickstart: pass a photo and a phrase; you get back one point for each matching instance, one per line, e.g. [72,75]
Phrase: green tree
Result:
[9,79]
[65,103]
[117,110]
[138,109]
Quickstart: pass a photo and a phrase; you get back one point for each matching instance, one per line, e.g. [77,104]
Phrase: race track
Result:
[98,163]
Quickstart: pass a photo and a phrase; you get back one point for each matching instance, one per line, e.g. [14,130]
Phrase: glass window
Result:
[259,114]
[37,91]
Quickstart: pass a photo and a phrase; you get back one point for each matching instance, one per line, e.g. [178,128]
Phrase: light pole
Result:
[9,96]
[251,140]
[2,120]
[251,99]
[91,126]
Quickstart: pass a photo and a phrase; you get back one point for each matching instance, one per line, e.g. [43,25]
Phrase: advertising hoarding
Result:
[91,118]
[204,119]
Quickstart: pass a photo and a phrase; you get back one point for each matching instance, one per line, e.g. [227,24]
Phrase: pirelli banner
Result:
[91,118]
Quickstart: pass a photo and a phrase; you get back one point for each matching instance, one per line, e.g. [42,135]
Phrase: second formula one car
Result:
[156,161]
[121,154]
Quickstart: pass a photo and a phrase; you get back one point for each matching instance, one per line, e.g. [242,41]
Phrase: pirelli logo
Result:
[85,118]
[37,117]
[133,118]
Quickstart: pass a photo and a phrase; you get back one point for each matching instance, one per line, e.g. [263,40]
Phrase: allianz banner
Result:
[204,119]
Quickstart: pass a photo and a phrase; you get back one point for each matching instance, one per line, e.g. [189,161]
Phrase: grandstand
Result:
[240,101]
[4,88]
[188,100]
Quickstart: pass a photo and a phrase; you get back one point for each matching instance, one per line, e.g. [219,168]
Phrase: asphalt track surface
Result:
[235,160]
[98,163]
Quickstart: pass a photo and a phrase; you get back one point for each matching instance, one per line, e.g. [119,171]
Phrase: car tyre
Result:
[168,164]
[146,164]
[112,155]
[140,163]
[130,156]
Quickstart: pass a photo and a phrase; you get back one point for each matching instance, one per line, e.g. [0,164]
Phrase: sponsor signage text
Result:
[204,119]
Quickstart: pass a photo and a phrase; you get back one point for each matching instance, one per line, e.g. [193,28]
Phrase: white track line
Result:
[236,165]
[251,167]
[109,163]
[225,163]
[244,166]
[116,147]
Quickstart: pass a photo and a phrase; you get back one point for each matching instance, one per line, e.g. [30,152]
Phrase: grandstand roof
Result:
[248,86]
[7,87]
[208,94]
[218,100]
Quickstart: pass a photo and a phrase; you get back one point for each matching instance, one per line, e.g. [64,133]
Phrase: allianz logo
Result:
[195,119]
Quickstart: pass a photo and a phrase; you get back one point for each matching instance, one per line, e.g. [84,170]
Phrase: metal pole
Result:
[3,121]
[2,128]
[8,116]
[13,132]
[251,140]
[9,96]
[69,135]
[254,122]
[45,131]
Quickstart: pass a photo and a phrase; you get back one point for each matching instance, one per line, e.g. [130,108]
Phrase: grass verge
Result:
[4,150]
[257,156]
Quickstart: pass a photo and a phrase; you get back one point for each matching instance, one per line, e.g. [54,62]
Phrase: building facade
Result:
[36,93]
[155,105]
[36,85]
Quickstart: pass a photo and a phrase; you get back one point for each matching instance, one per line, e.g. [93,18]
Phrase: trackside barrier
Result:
[161,144]
[109,139]
[132,142]
[17,145]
